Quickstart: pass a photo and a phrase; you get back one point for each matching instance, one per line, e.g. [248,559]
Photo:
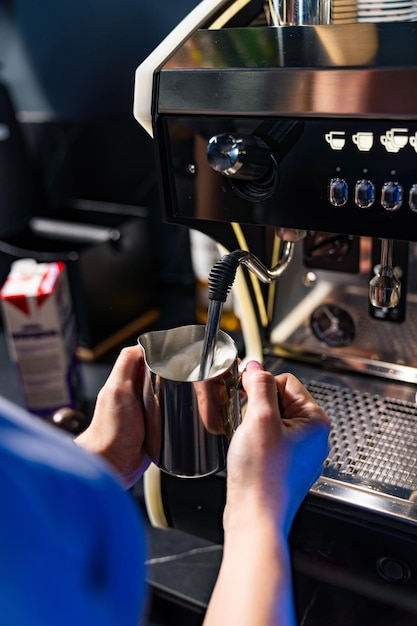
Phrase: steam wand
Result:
[220,281]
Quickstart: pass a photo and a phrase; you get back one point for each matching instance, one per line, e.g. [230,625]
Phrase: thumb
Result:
[261,389]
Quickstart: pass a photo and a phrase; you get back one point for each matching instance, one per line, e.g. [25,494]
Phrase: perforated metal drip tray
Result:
[373,441]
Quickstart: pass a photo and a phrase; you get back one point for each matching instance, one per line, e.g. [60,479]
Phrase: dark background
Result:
[68,70]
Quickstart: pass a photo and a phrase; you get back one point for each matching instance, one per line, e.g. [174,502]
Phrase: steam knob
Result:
[385,288]
[246,157]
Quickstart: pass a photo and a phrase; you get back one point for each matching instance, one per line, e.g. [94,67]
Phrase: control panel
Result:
[352,176]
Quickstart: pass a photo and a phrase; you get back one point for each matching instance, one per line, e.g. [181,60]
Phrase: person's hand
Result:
[274,457]
[277,452]
[117,429]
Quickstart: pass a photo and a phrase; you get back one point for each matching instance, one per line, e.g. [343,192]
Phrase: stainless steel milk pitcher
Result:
[189,421]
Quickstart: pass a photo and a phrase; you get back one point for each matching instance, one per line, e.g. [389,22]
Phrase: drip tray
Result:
[373,439]
[372,461]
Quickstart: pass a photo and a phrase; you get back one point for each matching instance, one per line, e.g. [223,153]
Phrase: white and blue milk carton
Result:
[41,334]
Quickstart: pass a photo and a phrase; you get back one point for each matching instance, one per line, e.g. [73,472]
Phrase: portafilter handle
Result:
[384,287]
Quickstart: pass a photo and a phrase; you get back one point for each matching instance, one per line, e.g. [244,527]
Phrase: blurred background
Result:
[75,155]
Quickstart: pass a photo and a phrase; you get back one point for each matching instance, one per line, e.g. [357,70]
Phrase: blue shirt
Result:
[72,547]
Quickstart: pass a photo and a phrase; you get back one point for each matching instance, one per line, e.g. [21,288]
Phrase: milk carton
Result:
[41,335]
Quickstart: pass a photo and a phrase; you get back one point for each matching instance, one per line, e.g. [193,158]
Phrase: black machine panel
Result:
[350,176]
[314,128]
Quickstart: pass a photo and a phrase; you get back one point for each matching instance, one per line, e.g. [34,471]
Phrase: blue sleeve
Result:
[72,547]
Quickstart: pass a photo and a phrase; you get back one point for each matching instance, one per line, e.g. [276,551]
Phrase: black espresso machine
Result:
[291,134]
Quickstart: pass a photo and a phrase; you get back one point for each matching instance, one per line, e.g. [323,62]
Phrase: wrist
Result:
[251,511]
[90,440]
[252,529]
[127,461]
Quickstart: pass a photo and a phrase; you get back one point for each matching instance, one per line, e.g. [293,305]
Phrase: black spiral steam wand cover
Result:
[221,278]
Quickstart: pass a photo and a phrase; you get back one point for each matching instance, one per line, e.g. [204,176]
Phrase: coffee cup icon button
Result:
[363,140]
[336,139]
[394,139]
[413,141]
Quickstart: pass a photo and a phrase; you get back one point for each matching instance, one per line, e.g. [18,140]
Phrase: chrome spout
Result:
[384,287]
[299,12]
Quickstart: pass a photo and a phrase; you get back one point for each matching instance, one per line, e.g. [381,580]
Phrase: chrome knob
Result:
[245,157]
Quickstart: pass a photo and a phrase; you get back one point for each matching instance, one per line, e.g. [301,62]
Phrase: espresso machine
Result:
[290,130]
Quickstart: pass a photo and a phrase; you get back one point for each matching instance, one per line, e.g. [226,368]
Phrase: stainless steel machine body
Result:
[335,107]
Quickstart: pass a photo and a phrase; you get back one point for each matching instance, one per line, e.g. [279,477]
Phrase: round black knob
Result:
[393,570]
[244,157]
[69,419]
